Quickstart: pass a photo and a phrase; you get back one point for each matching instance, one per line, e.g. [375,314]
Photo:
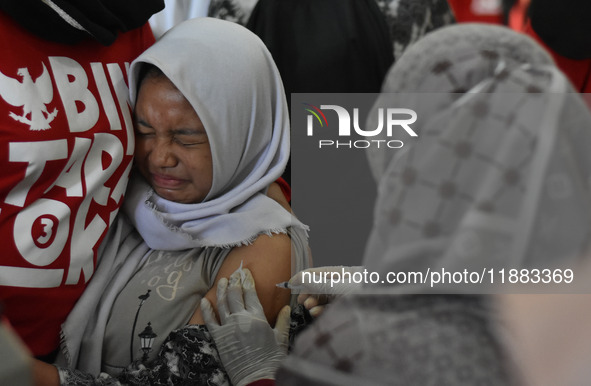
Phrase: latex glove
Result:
[321,285]
[249,348]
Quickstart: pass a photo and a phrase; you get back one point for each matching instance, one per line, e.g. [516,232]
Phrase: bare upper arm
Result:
[269,260]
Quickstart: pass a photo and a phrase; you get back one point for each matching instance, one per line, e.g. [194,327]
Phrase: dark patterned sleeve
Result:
[188,356]
[300,320]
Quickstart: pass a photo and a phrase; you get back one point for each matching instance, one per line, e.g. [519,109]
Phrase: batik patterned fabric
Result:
[188,356]
[409,20]
[237,11]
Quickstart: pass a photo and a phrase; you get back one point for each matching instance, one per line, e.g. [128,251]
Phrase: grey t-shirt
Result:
[177,281]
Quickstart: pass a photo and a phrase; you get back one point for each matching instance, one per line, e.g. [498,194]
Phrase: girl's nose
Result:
[162,154]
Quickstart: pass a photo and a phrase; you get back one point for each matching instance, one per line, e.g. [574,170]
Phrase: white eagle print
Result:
[33,96]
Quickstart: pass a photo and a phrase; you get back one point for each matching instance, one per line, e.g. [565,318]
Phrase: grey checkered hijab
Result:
[455,59]
[465,54]
[498,176]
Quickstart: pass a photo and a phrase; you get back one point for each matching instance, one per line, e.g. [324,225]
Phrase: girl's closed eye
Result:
[143,129]
[191,140]
[144,133]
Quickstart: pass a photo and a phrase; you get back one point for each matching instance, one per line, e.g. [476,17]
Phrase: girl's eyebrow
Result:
[140,121]
[199,131]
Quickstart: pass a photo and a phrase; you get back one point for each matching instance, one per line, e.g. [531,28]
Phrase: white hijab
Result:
[230,79]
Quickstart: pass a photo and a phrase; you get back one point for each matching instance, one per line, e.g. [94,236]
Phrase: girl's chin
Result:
[176,196]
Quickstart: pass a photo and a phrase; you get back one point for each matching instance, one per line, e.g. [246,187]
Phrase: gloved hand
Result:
[249,348]
[321,285]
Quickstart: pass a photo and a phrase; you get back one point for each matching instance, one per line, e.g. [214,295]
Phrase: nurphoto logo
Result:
[392,119]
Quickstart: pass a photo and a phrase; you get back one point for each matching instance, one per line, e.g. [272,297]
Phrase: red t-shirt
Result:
[477,11]
[65,152]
